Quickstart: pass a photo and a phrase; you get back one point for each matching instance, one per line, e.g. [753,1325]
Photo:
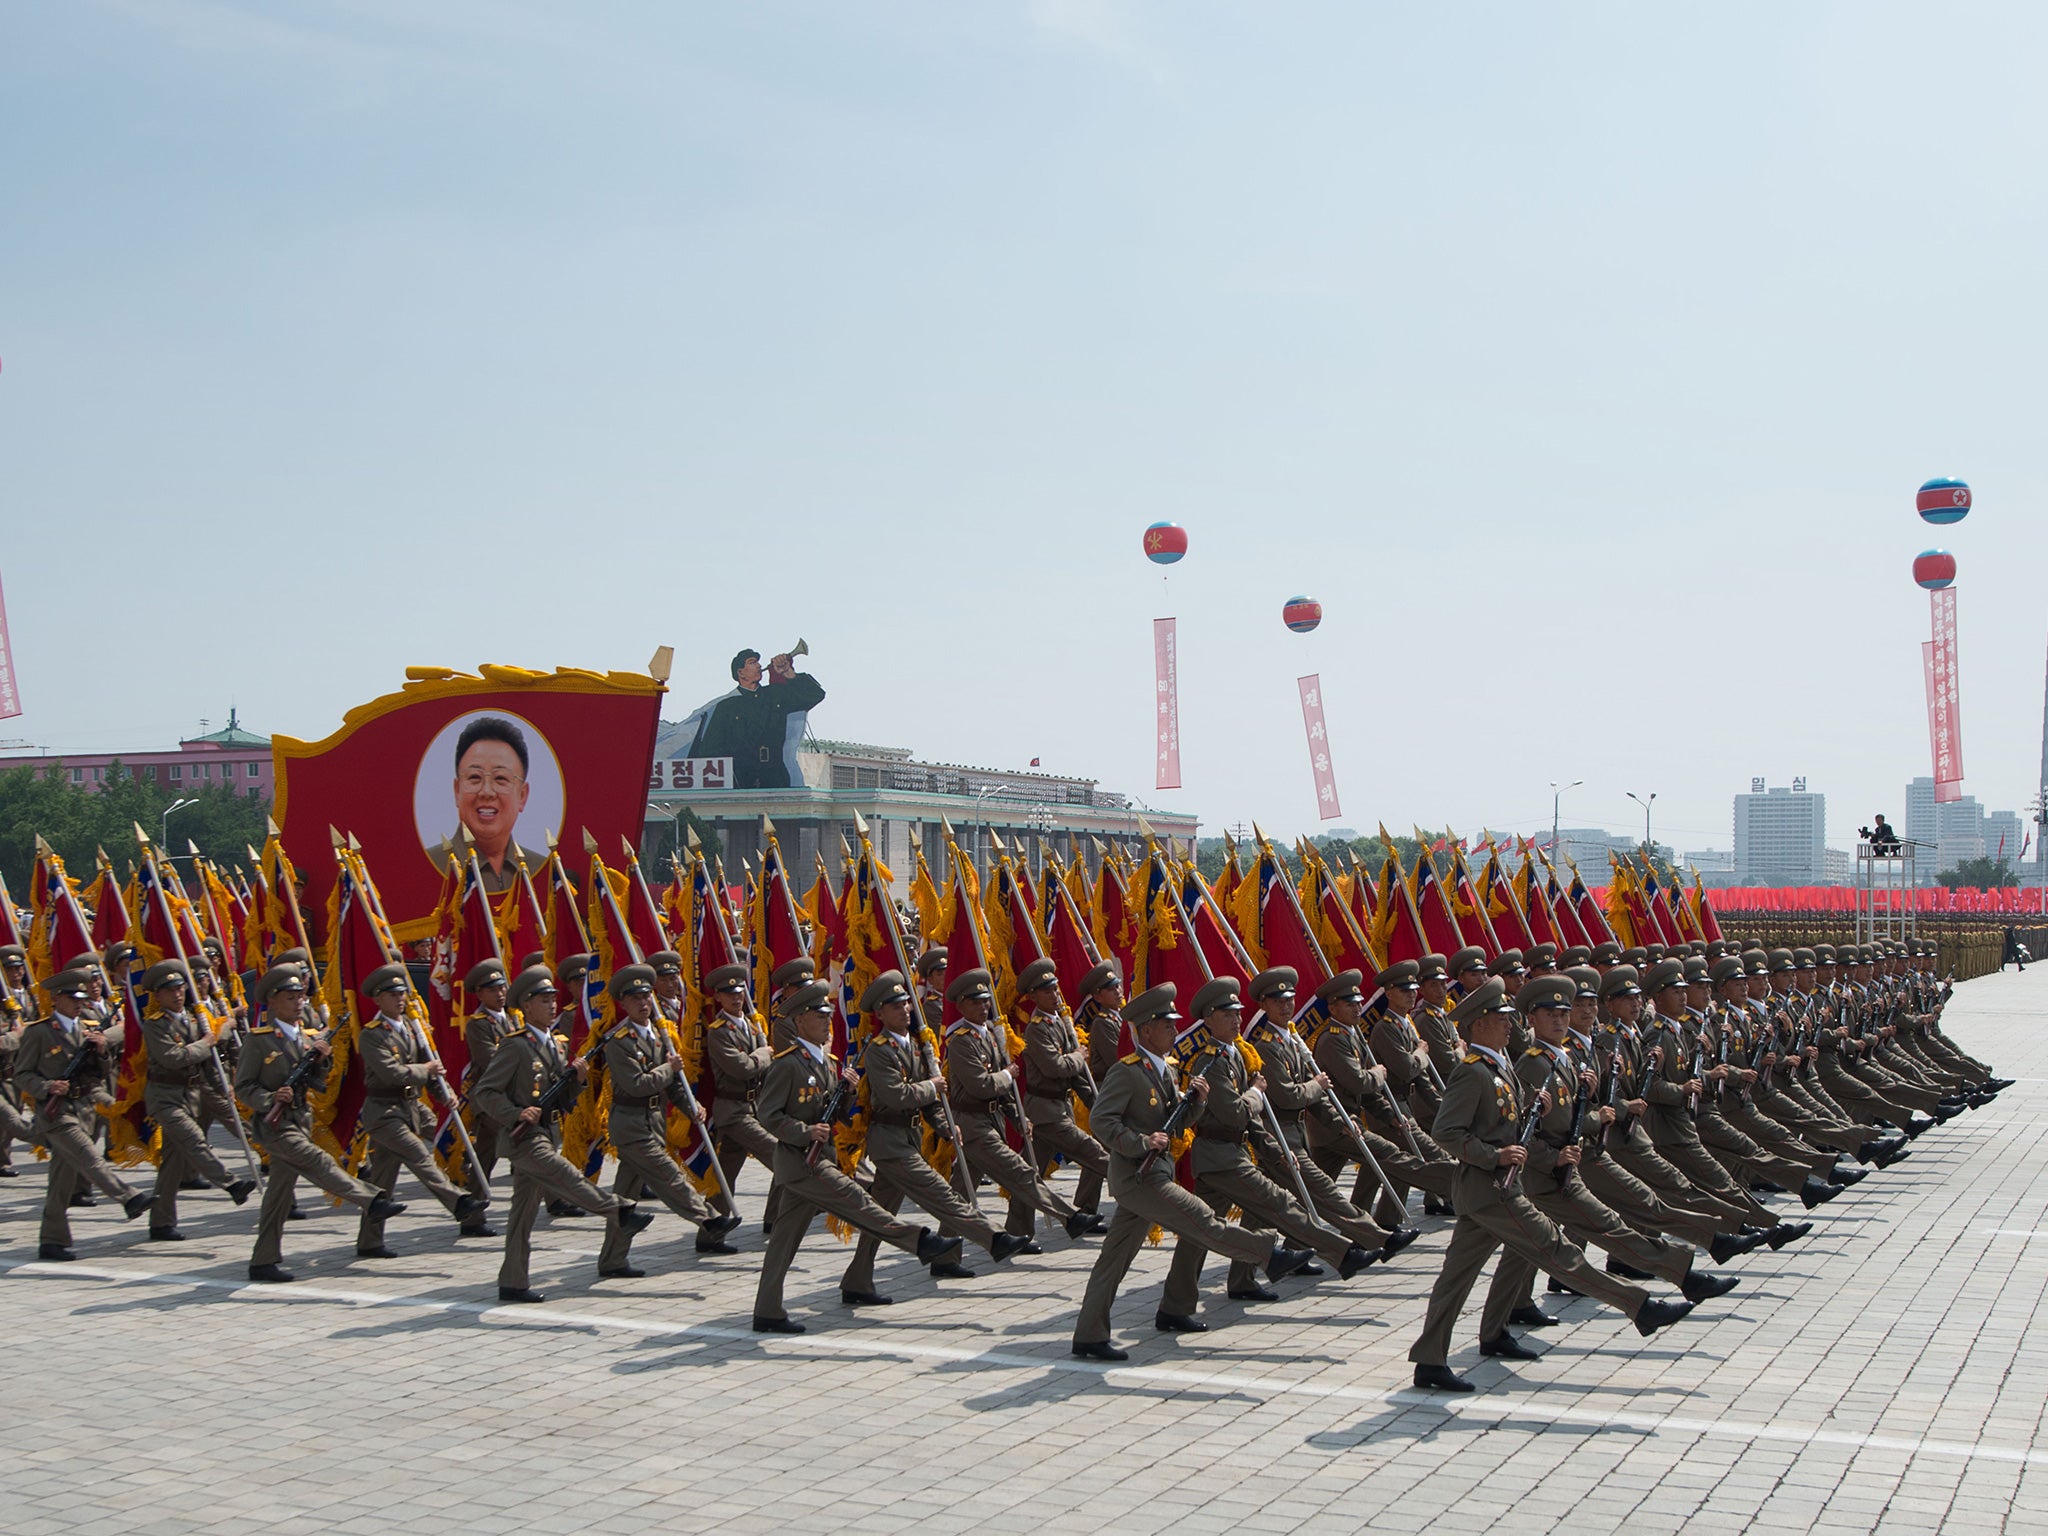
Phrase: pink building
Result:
[237,758]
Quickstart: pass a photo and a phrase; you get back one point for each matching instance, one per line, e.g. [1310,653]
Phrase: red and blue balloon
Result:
[1165,543]
[1301,614]
[1934,569]
[1943,500]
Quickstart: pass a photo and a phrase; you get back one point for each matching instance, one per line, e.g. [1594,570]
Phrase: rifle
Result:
[563,1092]
[1183,1115]
[835,1106]
[83,1055]
[1613,1092]
[301,1074]
[1531,1118]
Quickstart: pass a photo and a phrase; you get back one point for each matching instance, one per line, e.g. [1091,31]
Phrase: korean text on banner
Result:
[1166,716]
[1319,746]
[10,696]
[1946,721]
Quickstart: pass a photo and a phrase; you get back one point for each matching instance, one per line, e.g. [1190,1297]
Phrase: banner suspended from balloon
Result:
[1945,702]
[1166,670]
[1311,688]
[10,696]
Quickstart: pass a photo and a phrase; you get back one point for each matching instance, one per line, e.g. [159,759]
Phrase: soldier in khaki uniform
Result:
[487,985]
[523,1069]
[179,1052]
[1134,1102]
[227,1022]
[1432,1016]
[1099,1021]
[58,1072]
[1056,1072]
[1391,1033]
[796,1104]
[1224,1173]
[572,979]
[982,1086]
[1481,1126]
[644,1069]
[738,1054]
[17,1007]
[275,1051]
[904,1083]
[930,989]
[786,977]
[397,1064]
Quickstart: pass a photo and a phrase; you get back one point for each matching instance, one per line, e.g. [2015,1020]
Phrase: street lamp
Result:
[163,826]
[1557,794]
[980,811]
[675,822]
[1645,804]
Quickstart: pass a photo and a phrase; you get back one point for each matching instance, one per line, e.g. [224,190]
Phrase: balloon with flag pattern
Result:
[1301,614]
[1165,543]
[1943,500]
[1934,569]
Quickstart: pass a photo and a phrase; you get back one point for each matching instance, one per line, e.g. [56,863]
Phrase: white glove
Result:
[1003,1078]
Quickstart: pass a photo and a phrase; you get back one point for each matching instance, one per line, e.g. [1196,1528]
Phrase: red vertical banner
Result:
[1945,718]
[1318,745]
[10,697]
[1927,672]
[1166,718]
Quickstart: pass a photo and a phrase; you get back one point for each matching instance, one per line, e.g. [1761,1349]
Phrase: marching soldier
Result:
[17,1008]
[487,985]
[1481,1125]
[801,1095]
[905,1083]
[572,978]
[523,1070]
[283,1066]
[1099,1021]
[739,1055]
[645,1068]
[785,978]
[931,989]
[1224,1173]
[983,1088]
[1135,1101]
[1056,1072]
[1432,1017]
[397,1064]
[1392,1034]
[179,1054]
[58,1072]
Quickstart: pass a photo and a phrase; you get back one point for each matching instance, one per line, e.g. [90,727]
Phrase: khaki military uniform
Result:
[794,1095]
[269,1057]
[739,1056]
[1415,1161]
[1673,1126]
[65,1125]
[1056,1071]
[1628,1146]
[1441,1036]
[179,1057]
[982,1106]
[1394,1041]
[523,1067]
[396,1066]
[1132,1100]
[643,1082]
[16,1009]
[1483,1104]
[900,1093]
[481,1032]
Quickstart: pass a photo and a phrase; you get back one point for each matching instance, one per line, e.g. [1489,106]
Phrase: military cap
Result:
[1716,948]
[1781,960]
[573,969]
[1434,968]
[1489,997]
[1637,956]
[790,972]
[1586,980]
[1755,962]
[122,953]
[1508,963]
[1211,995]
[1620,981]
[279,978]
[89,961]
[1655,952]
[1108,973]
[1824,954]
[1575,954]
[485,973]
[803,998]
[1402,973]
[1470,958]
[666,962]
[631,981]
[884,989]
[1539,954]
[1151,1005]
[294,957]
[534,978]
[13,954]
[528,962]
[931,960]
[1696,972]
[212,945]
[1665,973]
[1607,952]
[1276,979]
[1039,973]
[166,973]
[1546,992]
[722,978]
[67,984]
[1729,968]
[1802,958]
[970,984]
[384,978]
[1345,984]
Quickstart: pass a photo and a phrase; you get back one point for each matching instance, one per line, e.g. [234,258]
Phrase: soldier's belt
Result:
[1036,1092]
[628,1101]
[167,1080]
[1206,1133]
[883,1117]
[380,1096]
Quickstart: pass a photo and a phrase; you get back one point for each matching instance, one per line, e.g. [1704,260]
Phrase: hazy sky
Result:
[1582,360]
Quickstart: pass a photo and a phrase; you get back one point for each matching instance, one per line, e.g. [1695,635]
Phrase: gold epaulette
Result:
[263,1029]
[1534,1050]
[1128,1061]
[787,1050]
[1472,1058]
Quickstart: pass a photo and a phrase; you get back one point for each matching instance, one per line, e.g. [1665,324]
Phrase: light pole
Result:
[675,822]
[981,812]
[163,826]
[1645,804]
[1556,795]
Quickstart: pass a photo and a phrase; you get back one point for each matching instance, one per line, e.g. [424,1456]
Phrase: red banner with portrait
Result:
[513,756]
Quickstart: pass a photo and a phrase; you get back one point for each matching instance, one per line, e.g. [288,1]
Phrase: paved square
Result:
[1880,1376]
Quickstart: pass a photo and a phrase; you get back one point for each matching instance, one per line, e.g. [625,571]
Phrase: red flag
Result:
[1709,924]
[643,912]
[1068,943]
[828,925]
[774,928]
[1361,893]
[10,925]
[1219,942]
[1116,924]
[1398,934]
[58,930]
[566,933]
[1433,908]
[1166,948]
[1338,931]
[522,921]
[1497,894]
[1471,913]
[1284,931]
[1591,915]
